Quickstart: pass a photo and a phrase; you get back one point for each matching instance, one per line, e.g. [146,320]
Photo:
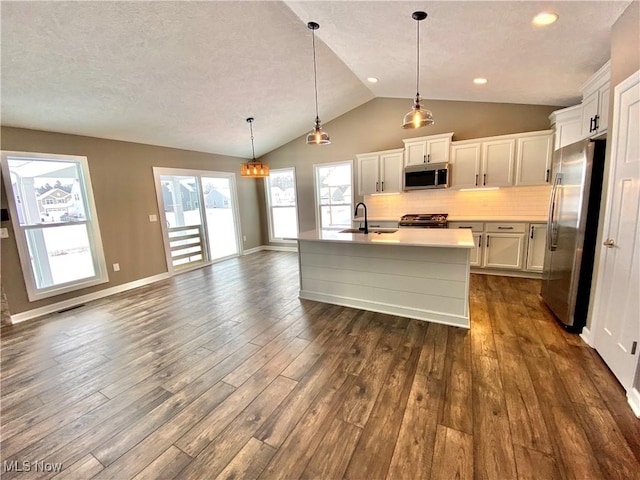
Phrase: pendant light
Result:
[317,137]
[253,168]
[418,116]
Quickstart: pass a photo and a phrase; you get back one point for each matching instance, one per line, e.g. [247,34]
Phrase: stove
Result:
[424,220]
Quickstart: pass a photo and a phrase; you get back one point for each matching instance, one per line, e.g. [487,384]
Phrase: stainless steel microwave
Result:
[426,175]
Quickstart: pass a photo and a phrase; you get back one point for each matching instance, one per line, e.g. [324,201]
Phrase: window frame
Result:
[316,192]
[91,222]
[267,191]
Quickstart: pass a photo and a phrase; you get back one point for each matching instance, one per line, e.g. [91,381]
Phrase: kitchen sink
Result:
[371,230]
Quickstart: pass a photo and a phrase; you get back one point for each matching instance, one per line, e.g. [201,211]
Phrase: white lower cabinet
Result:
[506,246]
[475,259]
[536,246]
[503,250]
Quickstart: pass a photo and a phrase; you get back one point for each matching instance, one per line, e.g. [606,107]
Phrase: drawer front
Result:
[474,226]
[505,227]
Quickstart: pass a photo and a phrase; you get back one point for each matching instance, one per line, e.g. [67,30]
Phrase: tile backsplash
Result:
[505,202]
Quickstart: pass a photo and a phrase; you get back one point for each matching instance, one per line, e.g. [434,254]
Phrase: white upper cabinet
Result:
[391,172]
[567,125]
[431,149]
[497,162]
[503,161]
[380,172]
[465,164]
[595,103]
[533,159]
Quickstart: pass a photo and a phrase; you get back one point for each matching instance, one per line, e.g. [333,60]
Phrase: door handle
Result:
[546,178]
[531,235]
[505,228]
[487,241]
[376,186]
[383,186]
[476,179]
[484,179]
[428,158]
[591,124]
[595,122]
[609,243]
[479,241]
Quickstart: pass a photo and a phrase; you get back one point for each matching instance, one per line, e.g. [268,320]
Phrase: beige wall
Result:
[124,192]
[376,126]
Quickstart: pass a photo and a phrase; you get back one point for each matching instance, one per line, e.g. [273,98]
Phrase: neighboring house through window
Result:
[57,233]
[282,203]
[334,195]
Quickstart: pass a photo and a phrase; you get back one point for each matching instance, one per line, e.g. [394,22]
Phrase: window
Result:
[54,218]
[281,203]
[334,195]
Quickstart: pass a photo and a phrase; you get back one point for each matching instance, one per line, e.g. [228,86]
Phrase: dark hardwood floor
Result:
[224,373]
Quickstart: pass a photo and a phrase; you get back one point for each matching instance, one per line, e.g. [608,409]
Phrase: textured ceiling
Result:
[187,74]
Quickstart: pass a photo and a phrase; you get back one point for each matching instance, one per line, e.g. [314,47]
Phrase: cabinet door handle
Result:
[595,123]
[464,227]
[484,179]
[383,186]
[476,179]
[428,158]
[479,241]
[487,241]
[376,186]
[505,228]
[424,159]
[546,178]
[531,231]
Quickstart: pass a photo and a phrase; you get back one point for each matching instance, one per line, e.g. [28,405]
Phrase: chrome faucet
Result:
[355,214]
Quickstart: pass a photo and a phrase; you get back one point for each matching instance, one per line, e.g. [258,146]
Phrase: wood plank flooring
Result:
[224,373]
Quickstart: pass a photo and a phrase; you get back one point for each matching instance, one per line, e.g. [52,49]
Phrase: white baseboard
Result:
[280,248]
[633,397]
[72,302]
[587,336]
[252,250]
[277,248]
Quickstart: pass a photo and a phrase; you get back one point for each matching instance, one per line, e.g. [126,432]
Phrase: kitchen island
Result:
[413,272]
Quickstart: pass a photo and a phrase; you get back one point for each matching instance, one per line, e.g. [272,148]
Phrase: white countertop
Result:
[496,218]
[423,237]
[472,218]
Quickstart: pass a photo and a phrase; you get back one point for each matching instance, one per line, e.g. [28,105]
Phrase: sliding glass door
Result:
[200,223]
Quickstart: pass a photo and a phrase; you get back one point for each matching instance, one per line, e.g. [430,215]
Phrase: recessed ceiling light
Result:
[372,80]
[544,18]
[479,81]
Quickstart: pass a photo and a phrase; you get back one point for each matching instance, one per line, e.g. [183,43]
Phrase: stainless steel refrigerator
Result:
[571,231]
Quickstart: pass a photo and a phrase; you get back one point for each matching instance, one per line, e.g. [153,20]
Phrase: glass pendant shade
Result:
[418,116]
[318,137]
[253,168]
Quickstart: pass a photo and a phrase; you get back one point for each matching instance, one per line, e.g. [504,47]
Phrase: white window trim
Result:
[93,230]
[316,189]
[267,192]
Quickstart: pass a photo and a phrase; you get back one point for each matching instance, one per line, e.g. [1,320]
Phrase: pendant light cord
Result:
[315,73]
[253,151]
[418,59]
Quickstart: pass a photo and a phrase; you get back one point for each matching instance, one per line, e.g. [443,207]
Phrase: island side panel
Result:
[426,283]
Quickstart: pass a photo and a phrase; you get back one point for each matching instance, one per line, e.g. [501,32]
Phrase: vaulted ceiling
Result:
[187,74]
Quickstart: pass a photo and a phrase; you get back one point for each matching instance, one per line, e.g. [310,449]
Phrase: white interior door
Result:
[617,322]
